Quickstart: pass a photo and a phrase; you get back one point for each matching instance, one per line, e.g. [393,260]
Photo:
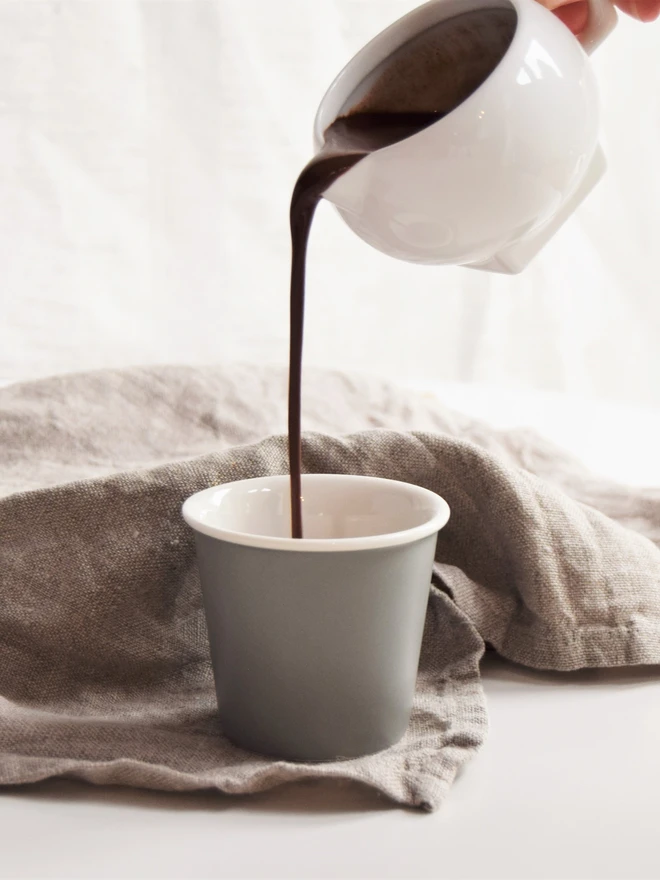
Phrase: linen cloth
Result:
[105,671]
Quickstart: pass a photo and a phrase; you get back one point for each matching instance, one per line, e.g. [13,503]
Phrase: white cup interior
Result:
[339,512]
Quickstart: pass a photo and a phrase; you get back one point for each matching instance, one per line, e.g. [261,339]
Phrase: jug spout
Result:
[346,192]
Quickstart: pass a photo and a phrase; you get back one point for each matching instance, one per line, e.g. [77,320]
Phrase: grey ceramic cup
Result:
[315,642]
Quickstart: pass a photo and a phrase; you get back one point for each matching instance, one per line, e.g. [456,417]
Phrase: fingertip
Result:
[643,11]
[574,15]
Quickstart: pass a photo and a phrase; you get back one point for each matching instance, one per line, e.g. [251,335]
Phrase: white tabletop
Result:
[567,785]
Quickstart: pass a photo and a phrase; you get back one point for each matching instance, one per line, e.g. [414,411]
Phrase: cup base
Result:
[309,754]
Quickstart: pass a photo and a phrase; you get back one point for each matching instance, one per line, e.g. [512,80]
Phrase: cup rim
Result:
[194,505]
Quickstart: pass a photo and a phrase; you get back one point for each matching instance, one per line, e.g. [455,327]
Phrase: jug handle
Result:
[600,24]
[512,260]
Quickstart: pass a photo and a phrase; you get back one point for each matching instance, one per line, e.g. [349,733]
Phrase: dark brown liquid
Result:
[417,85]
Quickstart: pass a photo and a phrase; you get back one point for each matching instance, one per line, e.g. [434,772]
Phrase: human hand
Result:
[574,13]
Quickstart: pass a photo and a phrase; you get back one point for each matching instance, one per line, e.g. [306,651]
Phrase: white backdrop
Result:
[147,154]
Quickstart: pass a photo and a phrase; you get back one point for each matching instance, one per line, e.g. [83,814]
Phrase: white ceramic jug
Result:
[489,183]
